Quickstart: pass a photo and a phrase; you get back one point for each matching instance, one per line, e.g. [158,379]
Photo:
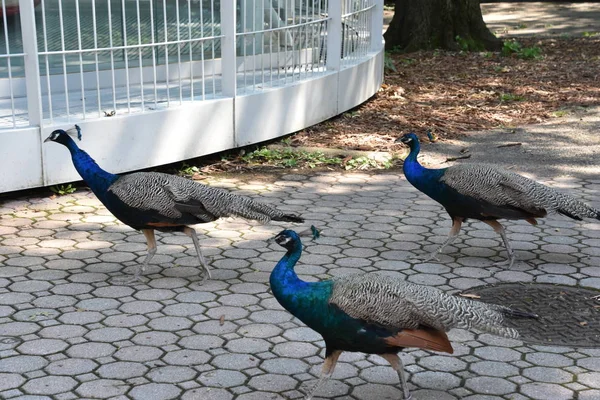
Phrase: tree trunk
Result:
[446,24]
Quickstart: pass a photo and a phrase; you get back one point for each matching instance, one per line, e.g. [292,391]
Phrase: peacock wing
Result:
[167,195]
[400,307]
[501,193]
[384,301]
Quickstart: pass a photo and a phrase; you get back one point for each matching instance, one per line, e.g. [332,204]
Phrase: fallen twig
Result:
[457,158]
[509,145]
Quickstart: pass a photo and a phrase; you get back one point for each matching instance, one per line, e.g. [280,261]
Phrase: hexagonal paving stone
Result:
[273,383]
[71,366]
[158,391]
[10,381]
[222,378]
[122,370]
[172,374]
[102,388]
[50,385]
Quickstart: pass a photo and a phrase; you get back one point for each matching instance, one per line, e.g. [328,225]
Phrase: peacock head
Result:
[409,139]
[289,238]
[63,137]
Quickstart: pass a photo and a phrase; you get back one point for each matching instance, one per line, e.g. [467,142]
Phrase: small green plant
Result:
[560,113]
[521,26]
[187,169]
[506,97]
[530,53]
[468,44]
[388,63]
[511,47]
[408,61]
[63,189]
[367,163]
[488,54]
[462,43]
[590,34]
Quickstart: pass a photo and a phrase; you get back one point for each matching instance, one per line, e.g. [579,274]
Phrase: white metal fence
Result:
[72,61]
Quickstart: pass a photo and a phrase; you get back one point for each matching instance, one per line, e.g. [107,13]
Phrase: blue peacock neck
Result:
[284,278]
[424,179]
[411,166]
[97,179]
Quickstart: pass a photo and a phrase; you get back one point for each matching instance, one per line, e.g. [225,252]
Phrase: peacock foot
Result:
[509,262]
[126,280]
[426,257]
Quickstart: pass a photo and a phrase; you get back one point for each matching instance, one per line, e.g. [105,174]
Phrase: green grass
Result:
[367,163]
[290,158]
[188,170]
[63,190]
[506,97]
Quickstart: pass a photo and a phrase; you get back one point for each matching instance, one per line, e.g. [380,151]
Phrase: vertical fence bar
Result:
[334,35]
[9,64]
[94,29]
[64,56]
[140,53]
[32,67]
[79,46]
[377,25]
[126,54]
[228,61]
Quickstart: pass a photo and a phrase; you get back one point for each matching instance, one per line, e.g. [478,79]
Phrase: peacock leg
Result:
[326,372]
[396,363]
[498,228]
[456,224]
[139,269]
[192,233]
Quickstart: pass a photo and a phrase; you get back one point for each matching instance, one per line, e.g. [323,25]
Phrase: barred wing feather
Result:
[397,304]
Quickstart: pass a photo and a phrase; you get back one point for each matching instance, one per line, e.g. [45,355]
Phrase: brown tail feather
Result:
[428,339]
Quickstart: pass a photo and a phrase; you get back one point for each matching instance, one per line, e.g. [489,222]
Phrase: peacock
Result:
[487,193]
[150,201]
[378,314]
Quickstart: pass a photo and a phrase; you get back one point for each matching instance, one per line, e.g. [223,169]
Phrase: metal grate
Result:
[569,316]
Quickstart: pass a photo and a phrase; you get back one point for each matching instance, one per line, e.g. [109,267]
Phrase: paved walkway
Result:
[67,333]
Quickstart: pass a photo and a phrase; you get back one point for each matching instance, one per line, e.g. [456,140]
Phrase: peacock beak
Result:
[403,140]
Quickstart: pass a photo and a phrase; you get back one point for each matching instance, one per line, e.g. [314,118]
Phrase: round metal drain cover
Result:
[569,316]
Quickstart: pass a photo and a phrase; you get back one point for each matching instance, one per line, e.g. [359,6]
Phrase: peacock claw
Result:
[509,262]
